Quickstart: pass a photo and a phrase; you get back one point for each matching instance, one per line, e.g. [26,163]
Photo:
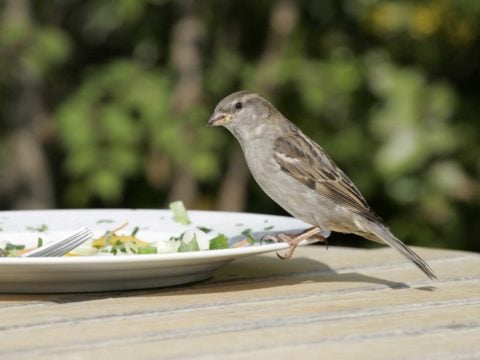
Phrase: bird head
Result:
[242,113]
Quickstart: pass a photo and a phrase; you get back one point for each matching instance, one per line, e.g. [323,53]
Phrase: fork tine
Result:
[71,241]
[55,247]
[70,245]
[55,252]
[62,246]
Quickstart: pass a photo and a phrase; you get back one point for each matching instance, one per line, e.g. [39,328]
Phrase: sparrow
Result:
[300,176]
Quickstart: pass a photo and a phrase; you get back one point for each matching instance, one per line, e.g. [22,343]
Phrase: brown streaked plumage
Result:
[300,176]
[318,171]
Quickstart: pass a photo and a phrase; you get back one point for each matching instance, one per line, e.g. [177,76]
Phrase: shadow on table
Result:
[263,272]
[242,275]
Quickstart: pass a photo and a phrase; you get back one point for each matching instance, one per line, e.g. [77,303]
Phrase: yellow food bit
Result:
[112,239]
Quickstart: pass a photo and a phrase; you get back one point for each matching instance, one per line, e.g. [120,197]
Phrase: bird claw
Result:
[288,254]
[321,239]
[294,240]
[289,239]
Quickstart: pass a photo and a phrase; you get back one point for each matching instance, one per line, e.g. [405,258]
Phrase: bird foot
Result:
[294,239]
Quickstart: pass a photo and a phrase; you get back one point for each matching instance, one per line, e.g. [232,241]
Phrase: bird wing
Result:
[308,163]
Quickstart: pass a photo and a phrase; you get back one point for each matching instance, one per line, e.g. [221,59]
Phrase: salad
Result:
[115,242]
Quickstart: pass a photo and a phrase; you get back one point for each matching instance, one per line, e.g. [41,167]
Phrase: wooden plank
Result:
[252,334]
[265,307]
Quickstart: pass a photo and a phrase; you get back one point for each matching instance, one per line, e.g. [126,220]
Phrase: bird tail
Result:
[381,234]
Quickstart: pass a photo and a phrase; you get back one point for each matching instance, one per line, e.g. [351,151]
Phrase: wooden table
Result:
[340,303]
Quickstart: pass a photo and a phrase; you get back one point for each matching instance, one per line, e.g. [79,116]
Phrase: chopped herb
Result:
[248,235]
[39,242]
[175,238]
[41,228]
[179,212]
[147,250]
[250,239]
[204,229]
[135,230]
[12,247]
[219,242]
[268,227]
[104,221]
[246,232]
[118,249]
[190,246]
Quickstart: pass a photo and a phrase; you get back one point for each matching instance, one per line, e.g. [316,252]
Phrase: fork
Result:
[62,246]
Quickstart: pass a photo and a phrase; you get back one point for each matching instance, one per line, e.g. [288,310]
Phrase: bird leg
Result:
[294,239]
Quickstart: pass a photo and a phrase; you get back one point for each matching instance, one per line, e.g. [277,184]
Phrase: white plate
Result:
[102,273]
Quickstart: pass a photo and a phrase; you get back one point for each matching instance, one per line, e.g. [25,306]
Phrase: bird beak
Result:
[219,119]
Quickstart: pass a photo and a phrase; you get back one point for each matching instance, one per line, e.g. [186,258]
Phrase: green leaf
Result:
[135,231]
[10,247]
[147,250]
[204,229]
[249,237]
[179,212]
[41,228]
[246,232]
[219,242]
[190,246]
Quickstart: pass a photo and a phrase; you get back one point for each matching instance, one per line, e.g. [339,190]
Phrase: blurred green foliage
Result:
[389,88]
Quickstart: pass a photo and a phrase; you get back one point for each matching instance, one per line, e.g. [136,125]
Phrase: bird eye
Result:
[238,105]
